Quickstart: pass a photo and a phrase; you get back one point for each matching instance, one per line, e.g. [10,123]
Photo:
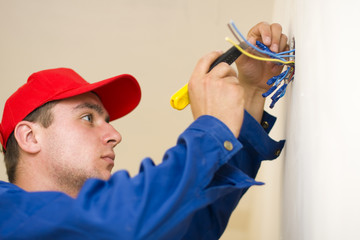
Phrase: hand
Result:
[253,74]
[217,93]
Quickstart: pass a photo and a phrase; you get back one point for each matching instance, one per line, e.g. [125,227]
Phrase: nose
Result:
[111,136]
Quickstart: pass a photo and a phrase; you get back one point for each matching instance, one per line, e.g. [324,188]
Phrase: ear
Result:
[25,135]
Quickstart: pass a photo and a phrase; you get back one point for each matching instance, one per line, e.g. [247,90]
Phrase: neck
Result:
[35,179]
[35,186]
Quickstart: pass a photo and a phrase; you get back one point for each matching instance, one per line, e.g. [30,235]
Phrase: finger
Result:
[283,43]
[260,31]
[276,33]
[223,70]
[203,65]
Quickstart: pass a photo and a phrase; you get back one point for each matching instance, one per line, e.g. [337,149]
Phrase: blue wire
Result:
[251,45]
[282,76]
[290,51]
[273,79]
[270,91]
[268,51]
[280,55]
[288,56]
[279,94]
[276,80]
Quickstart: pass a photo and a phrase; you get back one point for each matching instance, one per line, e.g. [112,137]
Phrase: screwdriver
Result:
[181,98]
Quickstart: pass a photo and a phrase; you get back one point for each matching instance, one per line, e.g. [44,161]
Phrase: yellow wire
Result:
[257,57]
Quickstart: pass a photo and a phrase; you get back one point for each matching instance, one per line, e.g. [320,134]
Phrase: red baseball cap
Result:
[119,95]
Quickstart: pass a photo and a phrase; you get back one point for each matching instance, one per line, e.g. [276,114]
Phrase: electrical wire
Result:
[270,53]
[232,31]
[261,49]
[257,57]
[290,51]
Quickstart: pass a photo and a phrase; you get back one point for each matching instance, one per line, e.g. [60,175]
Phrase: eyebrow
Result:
[92,106]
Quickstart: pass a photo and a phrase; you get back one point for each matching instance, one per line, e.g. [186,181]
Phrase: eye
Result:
[88,117]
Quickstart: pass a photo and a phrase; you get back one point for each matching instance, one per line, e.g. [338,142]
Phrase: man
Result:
[58,146]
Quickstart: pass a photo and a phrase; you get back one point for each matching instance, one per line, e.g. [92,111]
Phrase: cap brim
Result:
[119,94]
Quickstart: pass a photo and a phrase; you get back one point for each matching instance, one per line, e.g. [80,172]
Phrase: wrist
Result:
[254,102]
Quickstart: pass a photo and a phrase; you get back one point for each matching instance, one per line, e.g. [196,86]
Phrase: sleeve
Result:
[159,203]
[210,222]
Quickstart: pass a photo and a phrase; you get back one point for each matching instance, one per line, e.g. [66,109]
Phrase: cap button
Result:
[228,145]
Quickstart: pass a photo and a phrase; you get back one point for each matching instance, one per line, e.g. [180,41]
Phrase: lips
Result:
[110,157]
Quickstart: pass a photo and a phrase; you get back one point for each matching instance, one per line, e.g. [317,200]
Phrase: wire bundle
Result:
[263,53]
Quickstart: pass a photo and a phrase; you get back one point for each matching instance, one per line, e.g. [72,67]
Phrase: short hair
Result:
[42,115]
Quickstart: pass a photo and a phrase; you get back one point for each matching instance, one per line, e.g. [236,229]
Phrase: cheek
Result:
[75,134]
[72,143]
[81,145]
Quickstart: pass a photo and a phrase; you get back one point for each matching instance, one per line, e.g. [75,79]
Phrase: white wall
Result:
[322,163]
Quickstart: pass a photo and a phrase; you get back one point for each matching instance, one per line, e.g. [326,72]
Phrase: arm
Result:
[158,203]
[210,222]
[217,93]
[257,145]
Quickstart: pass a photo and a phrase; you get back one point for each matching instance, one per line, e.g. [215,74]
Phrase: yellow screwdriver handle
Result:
[180,99]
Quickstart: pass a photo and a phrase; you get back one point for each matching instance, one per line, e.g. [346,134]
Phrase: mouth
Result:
[109,158]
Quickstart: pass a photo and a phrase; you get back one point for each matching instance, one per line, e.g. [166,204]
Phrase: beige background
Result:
[157,41]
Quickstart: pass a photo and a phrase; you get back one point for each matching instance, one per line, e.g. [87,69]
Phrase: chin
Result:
[106,176]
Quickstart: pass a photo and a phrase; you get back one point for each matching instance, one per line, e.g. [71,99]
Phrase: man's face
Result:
[79,143]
